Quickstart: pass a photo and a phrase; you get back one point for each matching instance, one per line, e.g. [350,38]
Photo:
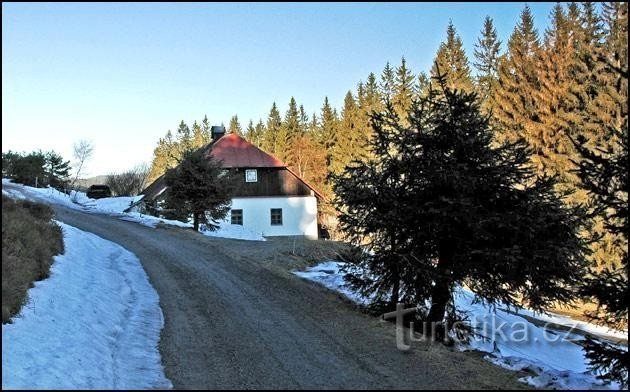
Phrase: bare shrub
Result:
[130,182]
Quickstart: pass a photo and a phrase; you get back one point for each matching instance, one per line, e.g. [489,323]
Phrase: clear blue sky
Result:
[121,75]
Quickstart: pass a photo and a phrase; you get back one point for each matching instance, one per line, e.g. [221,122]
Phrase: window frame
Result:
[248,172]
[277,214]
[239,215]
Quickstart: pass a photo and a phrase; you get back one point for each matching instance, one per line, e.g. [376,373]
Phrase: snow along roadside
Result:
[93,324]
[115,206]
[555,359]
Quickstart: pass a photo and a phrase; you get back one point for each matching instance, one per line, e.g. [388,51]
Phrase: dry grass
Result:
[29,241]
[290,253]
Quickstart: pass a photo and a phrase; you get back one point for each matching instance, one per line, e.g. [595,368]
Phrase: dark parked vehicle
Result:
[99,191]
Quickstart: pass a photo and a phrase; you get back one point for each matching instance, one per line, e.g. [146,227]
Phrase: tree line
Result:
[37,168]
[543,82]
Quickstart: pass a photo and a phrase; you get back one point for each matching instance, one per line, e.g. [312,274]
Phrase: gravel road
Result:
[233,322]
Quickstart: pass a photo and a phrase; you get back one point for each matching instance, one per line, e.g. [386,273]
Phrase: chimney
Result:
[217,131]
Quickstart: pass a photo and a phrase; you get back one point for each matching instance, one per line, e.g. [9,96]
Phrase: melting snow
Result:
[93,324]
[555,358]
[116,206]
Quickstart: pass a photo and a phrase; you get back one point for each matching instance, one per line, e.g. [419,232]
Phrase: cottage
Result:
[271,199]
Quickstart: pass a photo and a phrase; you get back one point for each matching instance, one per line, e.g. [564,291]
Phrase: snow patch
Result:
[555,358]
[93,324]
[116,206]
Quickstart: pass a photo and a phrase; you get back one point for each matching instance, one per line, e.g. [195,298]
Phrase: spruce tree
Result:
[514,99]
[605,175]
[288,130]
[184,139]
[260,133]
[423,85]
[348,135]
[388,79]
[250,131]
[165,156]
[451,61]
[303,127]
[200,189]
[327,135]
[404,89]
[487,52]
[205,130]
[199,136]
[439,205]
[235,126]
[274,123]
[373,97]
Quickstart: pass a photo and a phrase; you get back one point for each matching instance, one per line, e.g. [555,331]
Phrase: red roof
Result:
[235,151]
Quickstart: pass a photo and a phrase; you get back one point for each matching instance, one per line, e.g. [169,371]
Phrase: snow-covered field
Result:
[555,358]
[93,324]
[116,206]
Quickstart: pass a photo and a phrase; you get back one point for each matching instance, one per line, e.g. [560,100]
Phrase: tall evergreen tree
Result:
[327,135]
[388,79]
[255,133]
[440,206]
[487,52]
[250,132]
[205,127]
[235,126]
[274,123]
[452,62]
[303,120]
[373,96]
[347,136]
[514,98]
[199,188]
[404,89]
[605,176]
[423,85]
[165,156]
[260,133]
[289,129]
[200,136]
[184,139]
[313,125]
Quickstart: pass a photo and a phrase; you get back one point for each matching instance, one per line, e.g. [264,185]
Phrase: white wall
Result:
[299,215]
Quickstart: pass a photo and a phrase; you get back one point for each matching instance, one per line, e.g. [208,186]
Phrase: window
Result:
[237,217]
[276,216]
[251,175]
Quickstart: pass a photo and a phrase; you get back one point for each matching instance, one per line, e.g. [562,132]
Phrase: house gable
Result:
[274,178]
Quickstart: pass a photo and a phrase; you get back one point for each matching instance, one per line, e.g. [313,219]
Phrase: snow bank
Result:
[329,274]
[115,206]
[227,230]
[512,341]
[93,324]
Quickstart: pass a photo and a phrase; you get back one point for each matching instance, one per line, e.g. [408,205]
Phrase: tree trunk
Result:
[196,221]
[441,292]
[440,295]
[395,278]
[396,288]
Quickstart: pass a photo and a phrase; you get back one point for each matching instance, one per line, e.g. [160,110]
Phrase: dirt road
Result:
[232,321]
